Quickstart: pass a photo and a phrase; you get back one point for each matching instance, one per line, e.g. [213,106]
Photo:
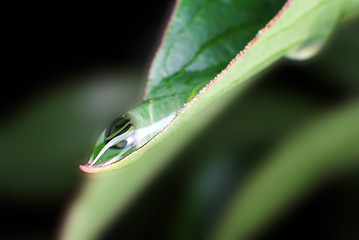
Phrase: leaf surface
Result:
[202,38]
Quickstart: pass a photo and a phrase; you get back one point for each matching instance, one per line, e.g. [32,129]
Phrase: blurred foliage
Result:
[44,143]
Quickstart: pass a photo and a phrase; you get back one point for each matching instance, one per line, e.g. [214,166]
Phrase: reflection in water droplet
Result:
[134,129]
[117,127]
[121,144]
[117,139]
[306,50]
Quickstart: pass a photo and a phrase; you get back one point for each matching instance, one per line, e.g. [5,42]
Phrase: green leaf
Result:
[203,37]
[298,23]
[201,40]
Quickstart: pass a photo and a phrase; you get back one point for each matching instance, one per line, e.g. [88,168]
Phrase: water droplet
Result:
[134,129]
[306,50]
[116,141]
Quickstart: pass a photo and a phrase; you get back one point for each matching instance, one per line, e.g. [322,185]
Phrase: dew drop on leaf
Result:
[306,51]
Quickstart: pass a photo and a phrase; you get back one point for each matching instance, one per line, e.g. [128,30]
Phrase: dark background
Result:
[46,51]
[44,43]
[50,52]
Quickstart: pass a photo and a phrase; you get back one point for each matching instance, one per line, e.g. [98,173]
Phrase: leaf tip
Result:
[90,169]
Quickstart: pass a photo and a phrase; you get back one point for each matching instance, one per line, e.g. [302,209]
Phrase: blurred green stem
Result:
[316,152]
